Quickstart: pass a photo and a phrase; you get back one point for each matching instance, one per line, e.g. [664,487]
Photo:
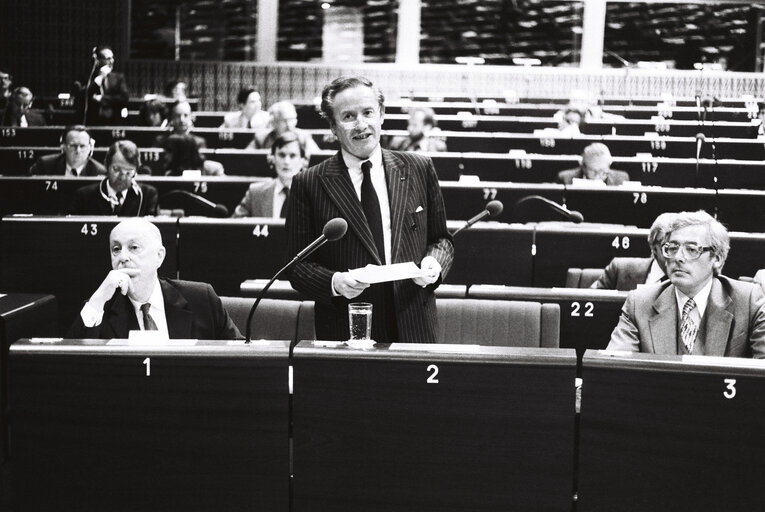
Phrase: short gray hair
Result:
[660,228]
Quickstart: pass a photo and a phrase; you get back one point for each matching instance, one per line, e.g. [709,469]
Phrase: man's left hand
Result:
[432,268]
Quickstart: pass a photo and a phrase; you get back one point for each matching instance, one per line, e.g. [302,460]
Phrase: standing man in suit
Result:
[596,165]
[628,273]
[118,193]
[75,158]
[395,212]
[270,198]
[107,93]
[133,297]
[17,111]
[698,311]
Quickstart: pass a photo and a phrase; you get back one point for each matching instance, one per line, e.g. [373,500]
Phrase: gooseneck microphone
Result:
[493,208]
[700,138]
[333,230]
[86,92]
[570,215]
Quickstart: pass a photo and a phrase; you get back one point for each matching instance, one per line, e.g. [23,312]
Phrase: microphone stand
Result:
[262,294]
[86,93]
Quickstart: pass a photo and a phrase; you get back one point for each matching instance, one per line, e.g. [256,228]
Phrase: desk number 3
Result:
[730,388]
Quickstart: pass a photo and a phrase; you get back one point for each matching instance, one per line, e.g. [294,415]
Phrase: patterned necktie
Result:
[148,321]
[283,212]
[371,206]
[688,327]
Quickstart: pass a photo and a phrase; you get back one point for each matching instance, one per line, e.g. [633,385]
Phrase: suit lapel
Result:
[663,324]
[396,175]
[339,187]
[718,320]
[179,317]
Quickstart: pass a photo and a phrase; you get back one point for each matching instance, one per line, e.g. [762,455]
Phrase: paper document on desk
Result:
[383,273]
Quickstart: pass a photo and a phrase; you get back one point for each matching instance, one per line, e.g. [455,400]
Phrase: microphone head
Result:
[575,216]
[494,208]
[700,136]
[335,229]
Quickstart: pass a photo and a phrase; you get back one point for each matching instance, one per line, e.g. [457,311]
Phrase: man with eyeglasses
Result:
[596,166]
[698,311]
[75,158]
[119,193]
[17,111]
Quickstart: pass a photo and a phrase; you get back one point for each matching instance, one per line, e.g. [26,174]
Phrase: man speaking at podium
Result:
[395,212]
[699,311]
[133,297]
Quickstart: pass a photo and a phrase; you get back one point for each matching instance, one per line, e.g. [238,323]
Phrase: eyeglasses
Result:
[692,251]
[124,170]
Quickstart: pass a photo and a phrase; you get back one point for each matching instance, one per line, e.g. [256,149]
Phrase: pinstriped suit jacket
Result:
[325,191]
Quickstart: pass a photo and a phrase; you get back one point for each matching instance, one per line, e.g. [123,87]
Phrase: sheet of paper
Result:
[383,273]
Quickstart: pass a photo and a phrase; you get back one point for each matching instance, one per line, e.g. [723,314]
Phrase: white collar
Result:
[156,299]
[701,299]
[353,163]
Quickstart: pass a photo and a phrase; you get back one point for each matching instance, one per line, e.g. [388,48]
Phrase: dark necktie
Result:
[72,171]
[371,206]
[285,204]
[148,321]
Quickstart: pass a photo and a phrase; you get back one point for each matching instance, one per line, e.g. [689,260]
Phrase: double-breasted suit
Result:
[418,229]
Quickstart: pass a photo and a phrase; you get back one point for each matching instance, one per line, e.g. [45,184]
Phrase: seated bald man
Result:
[133,297]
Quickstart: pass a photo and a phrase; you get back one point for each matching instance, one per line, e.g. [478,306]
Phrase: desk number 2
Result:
[147,364]
[432,379]
[730,388]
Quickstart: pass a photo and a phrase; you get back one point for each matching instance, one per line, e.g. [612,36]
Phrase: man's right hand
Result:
[347,286]
[116,279]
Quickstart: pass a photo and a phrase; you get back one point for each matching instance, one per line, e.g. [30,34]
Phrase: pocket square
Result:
[419,209]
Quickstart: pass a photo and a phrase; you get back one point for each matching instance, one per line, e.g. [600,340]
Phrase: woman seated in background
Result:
[153,113]
[270,198]
[182,154]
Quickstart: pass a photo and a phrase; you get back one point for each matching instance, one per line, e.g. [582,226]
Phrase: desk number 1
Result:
[147,363]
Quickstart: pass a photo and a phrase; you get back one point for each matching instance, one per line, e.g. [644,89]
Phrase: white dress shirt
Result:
[381,188]
[91,317]
[655,273]
[701,299]
[278,199]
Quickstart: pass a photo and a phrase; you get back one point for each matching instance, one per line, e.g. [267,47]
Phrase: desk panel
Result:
[491,253]
[225,253]
[495,432]
[464,200]
[668,433]
[21,315]
[67,257]
[104,426]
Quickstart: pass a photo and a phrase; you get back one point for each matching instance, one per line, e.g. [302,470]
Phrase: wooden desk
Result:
[185,426]
[493,430]
[671,433]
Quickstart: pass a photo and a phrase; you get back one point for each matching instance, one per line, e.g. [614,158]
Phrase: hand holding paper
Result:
[431,269]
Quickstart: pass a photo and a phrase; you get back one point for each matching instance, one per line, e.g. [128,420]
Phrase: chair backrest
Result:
[274,319]
[498,322]
[582,277]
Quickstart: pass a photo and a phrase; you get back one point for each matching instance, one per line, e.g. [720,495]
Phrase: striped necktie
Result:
[688,327]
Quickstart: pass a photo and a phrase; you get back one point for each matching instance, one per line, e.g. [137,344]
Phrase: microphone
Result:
[699,141]
[493,208]
[570,215]
[333,230]
[700,138]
